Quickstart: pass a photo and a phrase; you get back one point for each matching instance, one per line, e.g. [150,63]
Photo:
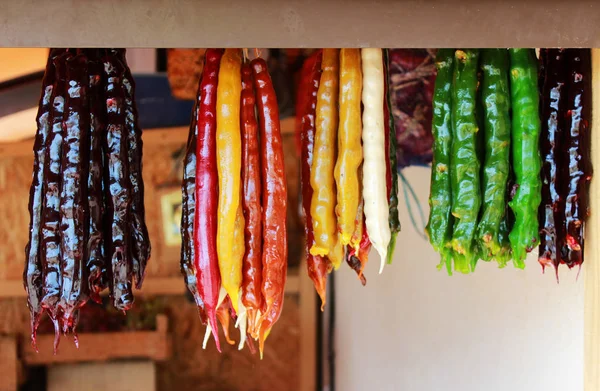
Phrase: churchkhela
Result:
[234,253]
[511,156]
[348,161]
[87,226]
[565,84]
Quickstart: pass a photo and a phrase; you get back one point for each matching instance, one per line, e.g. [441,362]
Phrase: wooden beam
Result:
[592,248]
[155,345]
[119,375]
[300,23]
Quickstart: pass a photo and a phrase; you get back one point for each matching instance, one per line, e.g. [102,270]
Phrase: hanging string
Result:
[410,197]
[257,52]
[246,55]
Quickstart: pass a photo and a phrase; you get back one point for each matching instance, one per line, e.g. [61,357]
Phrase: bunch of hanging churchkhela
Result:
[565,82]
[234,244]
[485,178]
[519,183]
[87,229]
[348,160]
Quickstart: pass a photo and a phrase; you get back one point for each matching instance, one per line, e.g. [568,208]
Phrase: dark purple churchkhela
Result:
[87,226]
[118,184]
[552,108]
[577,170]
[51,254]
[565,143]
[32,275]
[140,243]
[73,195]
[96,260]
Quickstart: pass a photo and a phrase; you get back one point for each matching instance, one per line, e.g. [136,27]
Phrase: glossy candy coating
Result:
[349,145]
[439,226]
[464,161]
[81,193]
[318,267]
[95,257]
[251,202]
[51,254]
[322,179]
[32,274]
[525,153]
[553,105]
[577,154]
[140,240]
[495,98]
[118,184]
[375,164]
[274,200]
[208,278]
[73,196]
[229,161]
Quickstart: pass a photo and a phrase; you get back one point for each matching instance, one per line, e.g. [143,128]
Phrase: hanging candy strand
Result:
[251,202]
[274,200]
[205,255]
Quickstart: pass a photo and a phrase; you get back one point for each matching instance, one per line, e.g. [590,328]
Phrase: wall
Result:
[415,329]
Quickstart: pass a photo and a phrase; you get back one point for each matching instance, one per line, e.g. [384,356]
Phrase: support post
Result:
[308,332]
[592,247]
